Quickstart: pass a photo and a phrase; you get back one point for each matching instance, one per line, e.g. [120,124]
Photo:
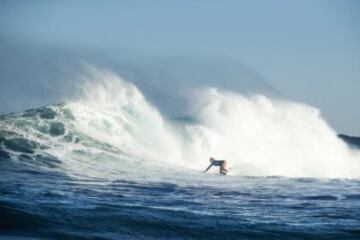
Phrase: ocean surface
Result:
[110,166]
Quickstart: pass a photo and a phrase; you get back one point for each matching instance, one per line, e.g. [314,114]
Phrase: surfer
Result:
[218,163]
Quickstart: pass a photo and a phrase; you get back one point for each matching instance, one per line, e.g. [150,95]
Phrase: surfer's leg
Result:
[223,167]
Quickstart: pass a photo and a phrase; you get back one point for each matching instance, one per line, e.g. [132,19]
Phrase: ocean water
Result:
[109,165]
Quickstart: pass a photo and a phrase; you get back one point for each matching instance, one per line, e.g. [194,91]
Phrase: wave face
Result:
[112,128]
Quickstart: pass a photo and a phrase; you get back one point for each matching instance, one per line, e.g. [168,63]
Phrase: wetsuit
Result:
[216,163]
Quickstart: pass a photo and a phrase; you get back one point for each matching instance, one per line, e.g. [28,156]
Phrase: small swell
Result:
[321,197]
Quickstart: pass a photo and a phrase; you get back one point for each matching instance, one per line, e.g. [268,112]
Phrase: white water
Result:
[258,136]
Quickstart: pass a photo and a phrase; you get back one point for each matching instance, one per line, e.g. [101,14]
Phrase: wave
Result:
[113,130]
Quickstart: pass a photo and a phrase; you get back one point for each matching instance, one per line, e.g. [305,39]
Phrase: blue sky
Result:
[309,50]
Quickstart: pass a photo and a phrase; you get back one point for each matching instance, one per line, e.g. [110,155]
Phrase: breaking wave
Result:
[113,130]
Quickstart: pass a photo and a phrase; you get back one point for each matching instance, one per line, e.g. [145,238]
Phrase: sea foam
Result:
[256,134]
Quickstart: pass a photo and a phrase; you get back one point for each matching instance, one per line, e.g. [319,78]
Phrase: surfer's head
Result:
[211,159]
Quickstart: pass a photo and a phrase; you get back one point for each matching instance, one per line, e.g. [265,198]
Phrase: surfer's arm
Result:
[208,167]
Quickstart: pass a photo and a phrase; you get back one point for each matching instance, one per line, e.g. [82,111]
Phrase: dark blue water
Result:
[35,203]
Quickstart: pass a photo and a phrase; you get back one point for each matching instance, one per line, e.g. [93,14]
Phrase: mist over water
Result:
[50,73]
